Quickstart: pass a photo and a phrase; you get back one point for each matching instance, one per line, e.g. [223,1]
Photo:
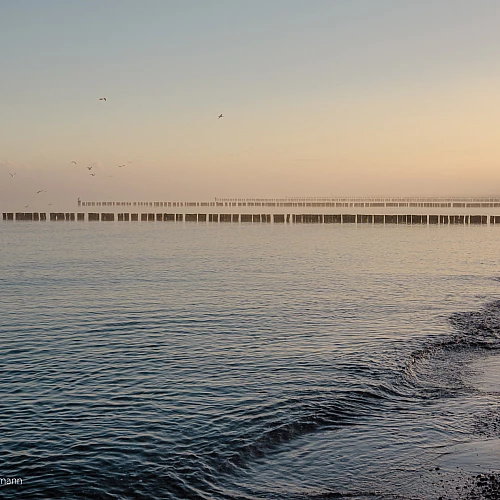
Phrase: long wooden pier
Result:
[404,219]
[309,202]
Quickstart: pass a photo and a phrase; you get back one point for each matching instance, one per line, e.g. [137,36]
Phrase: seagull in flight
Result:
[89,167]
[102,99]
[92,175]
[41,191]
[120,166]
[220,116]
[74,162]
[12,175]
[26,206]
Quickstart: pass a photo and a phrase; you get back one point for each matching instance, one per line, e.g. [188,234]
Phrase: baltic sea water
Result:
[248,361]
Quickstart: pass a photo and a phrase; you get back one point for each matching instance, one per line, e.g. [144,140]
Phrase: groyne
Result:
[274,218]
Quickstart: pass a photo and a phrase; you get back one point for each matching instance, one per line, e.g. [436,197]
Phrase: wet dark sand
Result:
[480,455]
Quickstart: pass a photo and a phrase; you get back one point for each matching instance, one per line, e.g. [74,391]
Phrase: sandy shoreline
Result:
[476,461]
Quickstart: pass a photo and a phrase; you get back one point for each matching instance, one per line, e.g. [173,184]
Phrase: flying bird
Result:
[92,175]
[74,162]
[89,167]
[41,191]
[220,116]
[120,166]
[102,98]
[12,175]
[26,206]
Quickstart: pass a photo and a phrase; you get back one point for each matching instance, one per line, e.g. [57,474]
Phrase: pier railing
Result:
[401,202]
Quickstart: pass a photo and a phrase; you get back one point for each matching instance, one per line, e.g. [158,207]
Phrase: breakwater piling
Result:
[32,216]
[361,219]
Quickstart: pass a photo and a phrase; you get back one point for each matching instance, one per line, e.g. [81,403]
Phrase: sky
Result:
[319,97]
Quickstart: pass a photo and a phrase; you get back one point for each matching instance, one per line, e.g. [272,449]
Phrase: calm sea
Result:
[214,361]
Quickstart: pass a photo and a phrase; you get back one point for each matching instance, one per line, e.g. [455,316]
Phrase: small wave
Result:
[348,409]
[439,366]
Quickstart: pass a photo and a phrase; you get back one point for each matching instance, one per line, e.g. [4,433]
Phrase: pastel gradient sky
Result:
[320,98]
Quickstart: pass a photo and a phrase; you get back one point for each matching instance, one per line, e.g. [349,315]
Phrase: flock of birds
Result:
[89,167]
